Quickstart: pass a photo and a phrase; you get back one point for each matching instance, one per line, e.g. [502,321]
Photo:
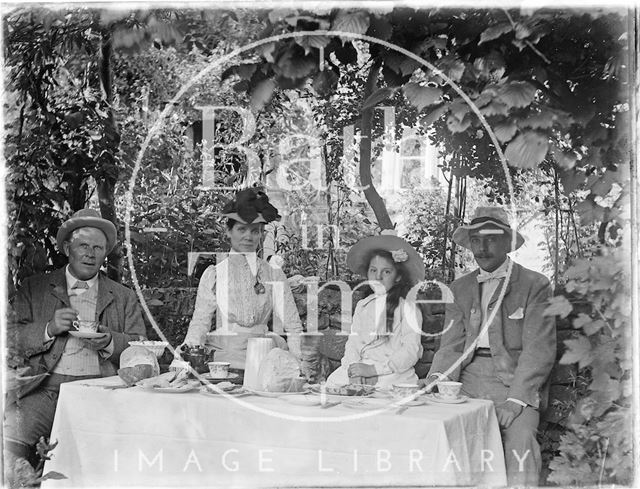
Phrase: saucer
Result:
[437,398]
[86,334]
[176,390]
[214,380]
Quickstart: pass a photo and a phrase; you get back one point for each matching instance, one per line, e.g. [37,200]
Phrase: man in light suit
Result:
[44,331]
[496,340]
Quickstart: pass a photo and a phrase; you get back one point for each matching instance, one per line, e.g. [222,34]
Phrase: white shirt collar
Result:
[71,280]
[502,269]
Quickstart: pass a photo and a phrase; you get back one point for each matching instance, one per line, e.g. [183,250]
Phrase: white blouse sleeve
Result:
[204,310]
[288,314]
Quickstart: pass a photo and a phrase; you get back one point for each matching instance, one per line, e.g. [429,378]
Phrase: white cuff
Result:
[47,338]
[107,351]
[517,401]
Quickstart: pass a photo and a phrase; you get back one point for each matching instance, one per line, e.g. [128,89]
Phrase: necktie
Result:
[485,276]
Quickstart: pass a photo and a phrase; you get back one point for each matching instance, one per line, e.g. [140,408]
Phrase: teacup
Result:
[86,326]
[448,389]
[219,370]
[404,390]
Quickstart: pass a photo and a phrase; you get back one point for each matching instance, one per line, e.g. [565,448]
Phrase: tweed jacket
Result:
[35,304]
[521,339]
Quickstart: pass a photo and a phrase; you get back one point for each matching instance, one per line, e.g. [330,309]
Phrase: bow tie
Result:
[486,276]
[80,284]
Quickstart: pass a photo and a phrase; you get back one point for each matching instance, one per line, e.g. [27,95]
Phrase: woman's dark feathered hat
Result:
[251,206]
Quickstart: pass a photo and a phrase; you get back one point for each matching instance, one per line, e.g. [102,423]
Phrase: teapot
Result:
[197,357]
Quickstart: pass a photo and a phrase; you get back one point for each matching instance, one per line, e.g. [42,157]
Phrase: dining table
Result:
[111,436]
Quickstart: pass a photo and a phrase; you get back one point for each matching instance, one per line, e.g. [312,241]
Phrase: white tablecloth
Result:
[136,437]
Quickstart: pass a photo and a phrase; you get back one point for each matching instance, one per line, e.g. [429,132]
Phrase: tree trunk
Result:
[370,192]
[446,225]
[107,178]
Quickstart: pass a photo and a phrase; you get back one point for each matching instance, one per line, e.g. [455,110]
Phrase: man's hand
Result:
[430,382]
[101,343]
[62,321]
[507,411]
[365,373]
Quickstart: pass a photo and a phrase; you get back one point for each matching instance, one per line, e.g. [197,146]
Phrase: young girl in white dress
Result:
[384,344]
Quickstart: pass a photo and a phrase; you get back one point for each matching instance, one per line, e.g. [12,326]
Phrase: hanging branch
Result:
[446,222]
[557,243]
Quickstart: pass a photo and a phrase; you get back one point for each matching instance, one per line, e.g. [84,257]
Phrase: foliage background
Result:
[85,85]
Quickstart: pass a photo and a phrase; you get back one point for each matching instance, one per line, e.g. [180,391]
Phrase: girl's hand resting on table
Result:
[361,373]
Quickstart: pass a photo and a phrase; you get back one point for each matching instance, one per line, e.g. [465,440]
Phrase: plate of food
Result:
[274,394]
[188,387]
[86,334]
[349,390]
[224,388]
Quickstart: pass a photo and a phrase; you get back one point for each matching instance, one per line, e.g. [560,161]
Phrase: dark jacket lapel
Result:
[105,294]
[58,282]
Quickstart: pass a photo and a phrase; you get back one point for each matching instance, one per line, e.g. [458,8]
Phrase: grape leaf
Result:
[456,125]
[505,131]
[420,96]
[494,108]
[558,306]
[578,351]
[589,212]
[352,22]
[261,94]
[527,150]
[517,94]
[308,42]
[494,32]
[434,115]
[378,96]
[539,120]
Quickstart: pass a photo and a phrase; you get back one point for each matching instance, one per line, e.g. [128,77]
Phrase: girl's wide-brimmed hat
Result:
[87,218]
[486,217]
[401,252]
[250,206]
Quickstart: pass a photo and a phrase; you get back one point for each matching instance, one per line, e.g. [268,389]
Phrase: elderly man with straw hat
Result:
[70,324]
[496,340]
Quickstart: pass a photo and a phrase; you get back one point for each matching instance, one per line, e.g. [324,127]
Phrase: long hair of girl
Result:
[400,289]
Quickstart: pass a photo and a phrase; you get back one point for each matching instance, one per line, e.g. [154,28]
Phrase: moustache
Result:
[483,256]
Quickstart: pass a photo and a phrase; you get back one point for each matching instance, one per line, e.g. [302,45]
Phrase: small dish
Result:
[229,378]
[444,400]
[86,334]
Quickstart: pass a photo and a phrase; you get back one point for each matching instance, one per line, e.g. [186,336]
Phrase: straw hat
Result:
[250,206]
[401,251]
[87,218]
[493,216]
